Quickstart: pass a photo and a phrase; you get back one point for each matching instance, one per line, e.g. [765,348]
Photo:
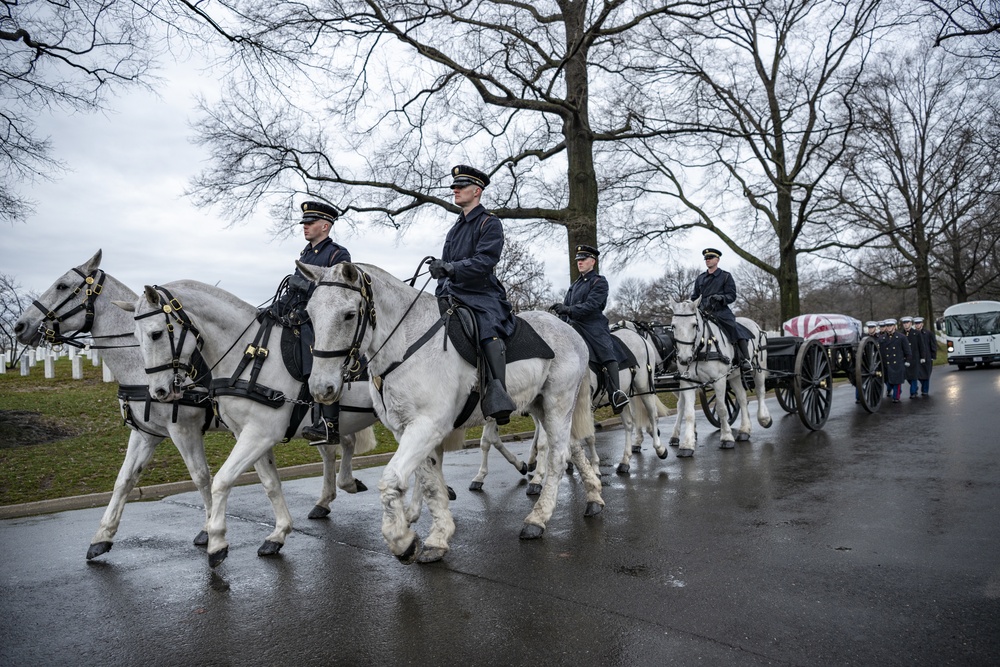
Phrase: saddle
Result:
[525,343]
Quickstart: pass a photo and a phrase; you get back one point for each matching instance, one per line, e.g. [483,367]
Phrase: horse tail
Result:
[454,441]
[364,441]
[661,409]
[582,426]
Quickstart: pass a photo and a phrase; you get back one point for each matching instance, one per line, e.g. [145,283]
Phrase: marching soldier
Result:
[871,328]
[717,290]
[465,271]
[917,344]
[583,307]
[928,355]
[896,358]
[317,222]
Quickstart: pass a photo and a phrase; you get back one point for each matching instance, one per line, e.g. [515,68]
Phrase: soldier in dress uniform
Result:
[583,307]
[896,357]
[871,328]
[465,272]
[916,350]
[928,355]
[317,222]
[717,290]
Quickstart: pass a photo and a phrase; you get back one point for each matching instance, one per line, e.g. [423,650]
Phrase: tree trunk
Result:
[788,263]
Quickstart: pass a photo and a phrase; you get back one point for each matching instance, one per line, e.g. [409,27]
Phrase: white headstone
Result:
[71,352]
[95,358]
[77,367]
[3,363]
[50,367]
[25,365]
[108,377]
[41,353]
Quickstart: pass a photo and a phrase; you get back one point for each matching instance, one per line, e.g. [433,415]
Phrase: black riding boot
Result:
[497,403]
[616,396]
[326,429]
[741,344]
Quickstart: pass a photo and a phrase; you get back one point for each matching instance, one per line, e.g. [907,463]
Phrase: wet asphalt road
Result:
[874,541]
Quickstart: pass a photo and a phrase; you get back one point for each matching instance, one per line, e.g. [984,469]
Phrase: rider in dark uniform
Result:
[317,221]
[583,307]
[465,272]
[717,290]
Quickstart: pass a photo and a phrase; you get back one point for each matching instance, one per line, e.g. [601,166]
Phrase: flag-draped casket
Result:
[827,329]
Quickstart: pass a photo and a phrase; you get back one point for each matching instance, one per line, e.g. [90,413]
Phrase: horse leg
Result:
[267,470]
[649,402]
[538,443]
[415,446]
[726,440]
[489,436]
[675,436]
[746,424]
[430,478]
[629,424]
[763,416]
[555,455]
[350,444]
[329,491]
[248,449]
[137,456]
[686,418]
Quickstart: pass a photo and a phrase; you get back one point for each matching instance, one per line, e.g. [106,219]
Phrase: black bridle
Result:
[366,316]
[196,369]
[91,286]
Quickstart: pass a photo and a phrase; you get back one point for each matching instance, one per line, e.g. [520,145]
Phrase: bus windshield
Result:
[975,324]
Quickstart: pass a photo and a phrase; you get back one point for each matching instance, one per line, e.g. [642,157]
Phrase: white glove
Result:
[906,363]
[922,360]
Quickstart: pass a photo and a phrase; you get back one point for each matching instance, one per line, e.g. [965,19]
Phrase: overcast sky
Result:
[123,193]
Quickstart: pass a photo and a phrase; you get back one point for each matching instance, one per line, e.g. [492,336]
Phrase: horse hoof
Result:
[98,549]
[637,449]
[319,512]
[742,437]
[531,532]
[675,442]
[727,444]
[533,490]
[359,486]
[201,539]
[408,556]
[663,454]
[768,424]
[269,548]
[685,453]
[524,470]
[215,559]
[451,493]
[476,486]
[593,509]
[623,468]
[531,467]
[431,555]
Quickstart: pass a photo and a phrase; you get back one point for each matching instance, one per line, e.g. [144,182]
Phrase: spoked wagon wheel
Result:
[868,378]
[708,405]
[813,384]
[785,394]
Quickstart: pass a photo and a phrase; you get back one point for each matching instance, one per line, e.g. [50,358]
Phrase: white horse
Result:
[704,357]
[63,310]
[640,414]
[419,388]
[216,323]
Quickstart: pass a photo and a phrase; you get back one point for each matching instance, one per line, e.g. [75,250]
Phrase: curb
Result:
[159,491]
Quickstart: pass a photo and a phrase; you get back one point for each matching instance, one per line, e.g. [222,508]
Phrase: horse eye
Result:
[350,316]
[156,335]
[61,286]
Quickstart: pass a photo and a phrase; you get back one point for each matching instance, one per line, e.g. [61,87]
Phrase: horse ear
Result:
[697,302]
[91,264]
[313,273]
[350,272]
[152,296]
[127,306]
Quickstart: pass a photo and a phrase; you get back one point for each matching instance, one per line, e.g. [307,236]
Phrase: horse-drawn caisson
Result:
[800,367]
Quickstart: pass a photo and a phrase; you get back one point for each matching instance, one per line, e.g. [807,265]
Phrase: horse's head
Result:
[65,308]
[688,329]
[168,341]
[343,314]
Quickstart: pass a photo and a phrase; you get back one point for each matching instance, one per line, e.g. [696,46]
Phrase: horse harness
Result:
[91,285]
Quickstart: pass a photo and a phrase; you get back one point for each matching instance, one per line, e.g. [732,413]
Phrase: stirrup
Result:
[618,401]
[322,432]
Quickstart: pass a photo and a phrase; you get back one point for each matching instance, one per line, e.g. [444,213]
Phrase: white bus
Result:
[972,330]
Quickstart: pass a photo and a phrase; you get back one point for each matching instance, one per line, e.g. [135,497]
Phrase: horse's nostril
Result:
[19,327]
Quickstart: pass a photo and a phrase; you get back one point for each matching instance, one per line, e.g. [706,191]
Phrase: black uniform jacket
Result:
[895,353]
[473,247]
[587,298]
[720,282]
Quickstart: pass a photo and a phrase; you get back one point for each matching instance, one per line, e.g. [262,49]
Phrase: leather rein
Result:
[91,285]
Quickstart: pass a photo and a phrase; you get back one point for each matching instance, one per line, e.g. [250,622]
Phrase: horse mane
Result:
[200,290]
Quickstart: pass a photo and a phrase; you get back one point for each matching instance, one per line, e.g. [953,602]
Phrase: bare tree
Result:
[761,94]
[975,24]
[524,277]
[374,100]
[757,297]
[966,256]
[13,302]
[630,301]
[919,163]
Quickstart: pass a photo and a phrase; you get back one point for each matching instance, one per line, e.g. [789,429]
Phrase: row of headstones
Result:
[47,357]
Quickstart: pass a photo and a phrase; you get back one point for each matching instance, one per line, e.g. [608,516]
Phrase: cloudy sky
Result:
[123,193]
